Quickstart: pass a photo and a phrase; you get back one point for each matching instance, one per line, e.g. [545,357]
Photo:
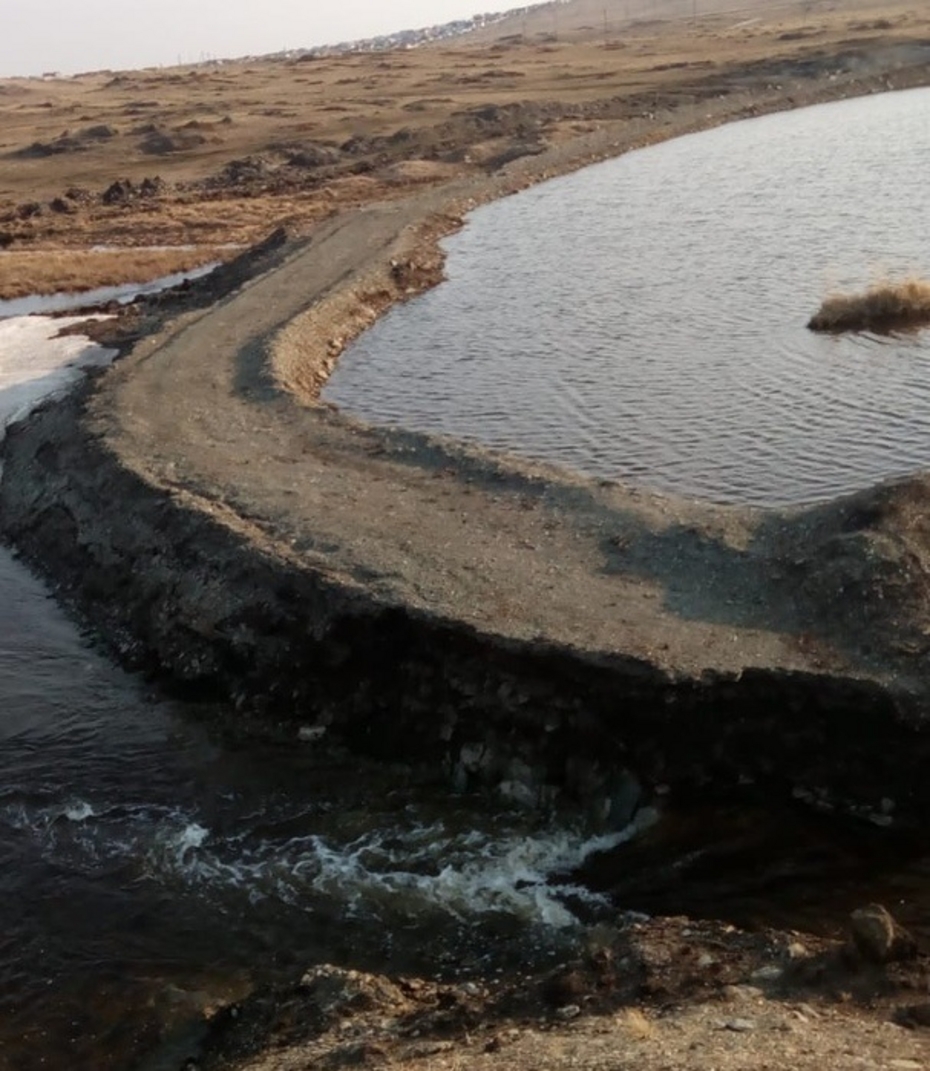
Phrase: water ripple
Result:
[644,319]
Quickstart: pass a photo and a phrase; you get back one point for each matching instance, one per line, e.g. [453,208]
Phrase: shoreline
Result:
[307,349]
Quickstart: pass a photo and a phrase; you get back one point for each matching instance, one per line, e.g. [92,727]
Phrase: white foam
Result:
[79,811]
[404,873]
[389,873]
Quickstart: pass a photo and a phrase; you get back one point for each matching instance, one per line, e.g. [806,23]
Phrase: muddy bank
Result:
[549,636]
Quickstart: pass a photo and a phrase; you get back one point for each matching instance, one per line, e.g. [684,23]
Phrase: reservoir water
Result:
[644,319]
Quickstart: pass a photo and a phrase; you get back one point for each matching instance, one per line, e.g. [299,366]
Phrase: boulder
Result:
[878,938]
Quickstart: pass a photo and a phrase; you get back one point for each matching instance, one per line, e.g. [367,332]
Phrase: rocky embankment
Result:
[547,635]
[652,994]
[411,598]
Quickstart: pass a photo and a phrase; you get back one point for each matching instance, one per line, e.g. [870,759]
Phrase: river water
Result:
[644,319]
[151,867]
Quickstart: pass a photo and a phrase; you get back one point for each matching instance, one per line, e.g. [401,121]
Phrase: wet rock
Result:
[28,210]
[61,206]
[623,795]
[878,938]
[336,991]
[568,1012]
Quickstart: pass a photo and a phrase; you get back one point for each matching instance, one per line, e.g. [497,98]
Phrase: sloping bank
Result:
[419,600]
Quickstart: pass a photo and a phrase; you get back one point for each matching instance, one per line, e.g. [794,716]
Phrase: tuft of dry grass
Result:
[74,271]
[882,308]
[637,1025]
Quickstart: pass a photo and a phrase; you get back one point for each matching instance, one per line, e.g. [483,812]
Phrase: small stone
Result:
[877,937]
[742,992]
[309,734]
[905,1065]
[797,951]
[432,1048]
[568,1011]
[808,1011]
[770,973]
[739,1026]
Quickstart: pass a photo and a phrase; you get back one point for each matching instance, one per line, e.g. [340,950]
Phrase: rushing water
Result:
[644,319]
[148,869]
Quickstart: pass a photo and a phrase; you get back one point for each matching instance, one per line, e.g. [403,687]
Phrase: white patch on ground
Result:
[36,365]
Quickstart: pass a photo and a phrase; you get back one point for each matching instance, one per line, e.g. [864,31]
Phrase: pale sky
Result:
[83,35]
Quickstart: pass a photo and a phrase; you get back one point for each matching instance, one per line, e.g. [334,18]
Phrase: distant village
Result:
[385,43]
[414,38]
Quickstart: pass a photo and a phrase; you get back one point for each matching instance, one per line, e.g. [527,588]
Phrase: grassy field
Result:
[214,155]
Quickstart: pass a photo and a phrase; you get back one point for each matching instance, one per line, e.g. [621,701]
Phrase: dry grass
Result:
[415,110]
[43,272]
[637,1025]
[883,307]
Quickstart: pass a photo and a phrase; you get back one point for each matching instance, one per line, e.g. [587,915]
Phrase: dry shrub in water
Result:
[882,307]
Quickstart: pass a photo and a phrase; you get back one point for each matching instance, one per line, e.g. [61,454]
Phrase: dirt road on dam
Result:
[410,595]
